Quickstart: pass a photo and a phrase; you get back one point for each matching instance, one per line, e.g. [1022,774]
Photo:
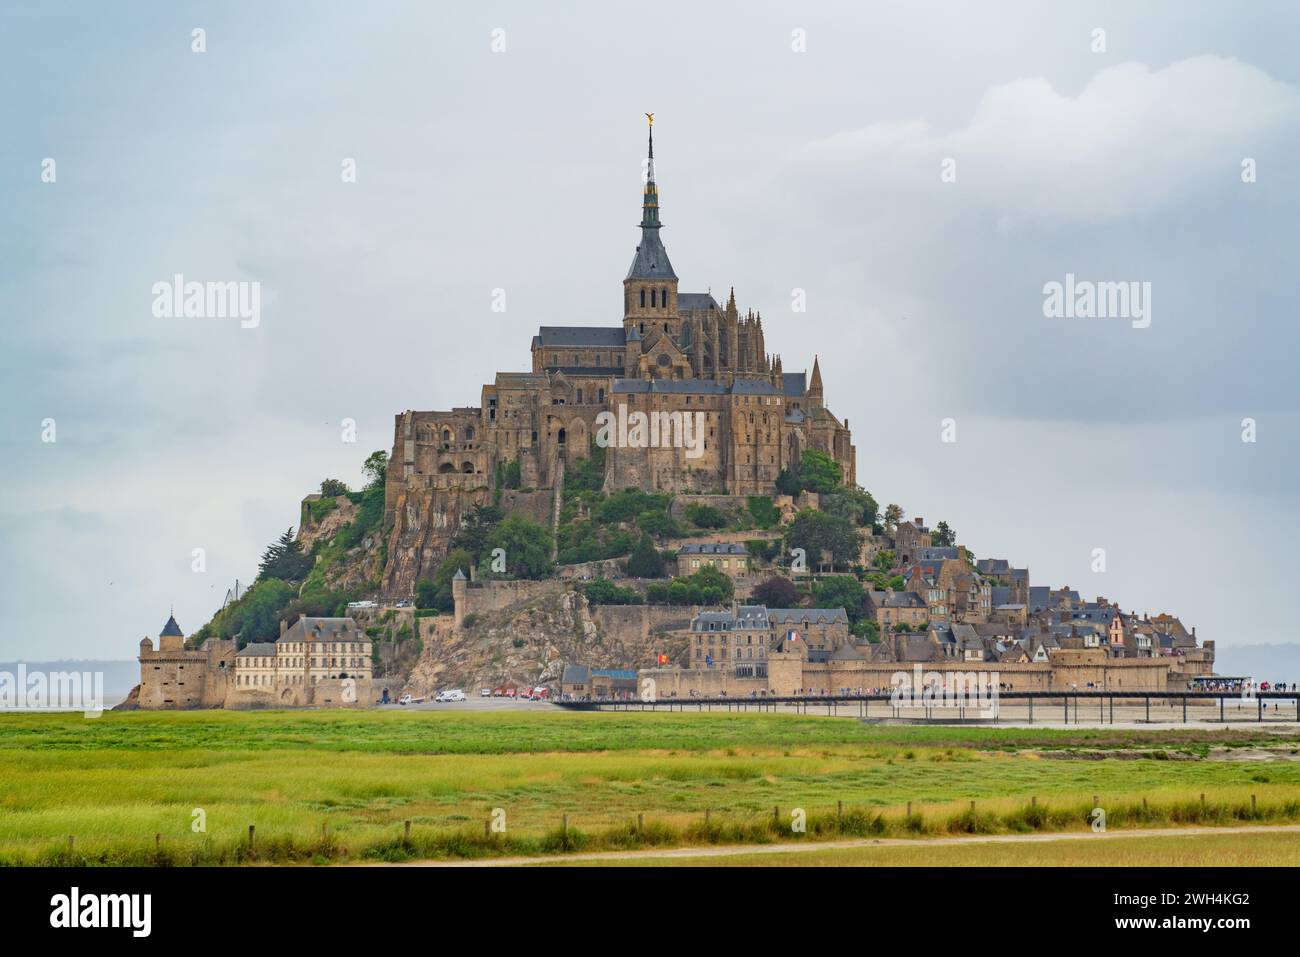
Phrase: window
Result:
[652,297]
[642,298]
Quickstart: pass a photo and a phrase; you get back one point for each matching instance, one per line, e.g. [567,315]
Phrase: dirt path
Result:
[791,847]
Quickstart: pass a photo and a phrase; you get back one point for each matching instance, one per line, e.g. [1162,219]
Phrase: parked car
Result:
[485,693]
[453,695]
[404,699]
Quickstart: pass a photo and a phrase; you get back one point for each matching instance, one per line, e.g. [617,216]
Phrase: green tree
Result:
[855,504]
[658,523]
[764,511]
[527,546]
[602,592]
[818,472]
[775,592]
[509,475]
[283,559]
[426,593]
[943,536]
[884,560]
[476,530]
[893,517]
[816,532]
[256,616]
[645,561]
[375,467]
[435,592]
[332,488]
[840,591]
[787,483]
[705,516]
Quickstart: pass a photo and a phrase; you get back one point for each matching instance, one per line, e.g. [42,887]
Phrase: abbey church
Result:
[674,352]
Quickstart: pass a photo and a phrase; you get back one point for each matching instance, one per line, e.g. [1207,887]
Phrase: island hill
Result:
[546,526]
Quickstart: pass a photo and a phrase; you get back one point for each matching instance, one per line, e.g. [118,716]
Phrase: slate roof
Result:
[897,599]
[814,615]
[713,548]
[258,649]
[576,675]
[651,259]
[549,336]
[621,674]
[847,652]
[601,371]
[1038,597]
[695,300]
[935,554]
[693,387]
[323,629]
[171,629]
[794,383]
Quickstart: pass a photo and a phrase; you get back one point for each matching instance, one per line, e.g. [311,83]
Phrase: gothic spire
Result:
[651,260]
[650,199]
[815,386]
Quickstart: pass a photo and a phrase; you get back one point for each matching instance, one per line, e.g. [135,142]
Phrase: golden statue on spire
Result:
[651,118]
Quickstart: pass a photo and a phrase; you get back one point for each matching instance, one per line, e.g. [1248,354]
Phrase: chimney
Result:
[284,625]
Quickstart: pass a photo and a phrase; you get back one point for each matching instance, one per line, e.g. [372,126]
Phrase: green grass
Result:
[117,781]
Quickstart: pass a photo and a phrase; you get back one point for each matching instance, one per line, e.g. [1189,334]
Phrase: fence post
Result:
[640,823]
[1252,805]
[407,832]
[839,812]
[252,833]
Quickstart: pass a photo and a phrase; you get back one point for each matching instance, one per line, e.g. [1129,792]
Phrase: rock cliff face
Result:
[426,519]
[530,642]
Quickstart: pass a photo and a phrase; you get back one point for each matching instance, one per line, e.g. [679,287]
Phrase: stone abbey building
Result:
[674,352]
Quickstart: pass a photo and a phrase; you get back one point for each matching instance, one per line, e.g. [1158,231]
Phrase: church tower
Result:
[650,289]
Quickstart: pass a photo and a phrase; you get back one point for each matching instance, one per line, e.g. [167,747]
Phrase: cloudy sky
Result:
[780,169]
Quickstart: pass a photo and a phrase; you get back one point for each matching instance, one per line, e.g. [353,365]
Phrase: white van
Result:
[454,695]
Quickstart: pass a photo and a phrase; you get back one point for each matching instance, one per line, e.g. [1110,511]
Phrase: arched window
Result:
[579,397]
[642,298]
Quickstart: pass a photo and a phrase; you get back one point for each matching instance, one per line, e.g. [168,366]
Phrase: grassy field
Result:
[321,786]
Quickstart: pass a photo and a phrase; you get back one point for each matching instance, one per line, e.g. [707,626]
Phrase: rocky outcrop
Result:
[530,642]
[425,520]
